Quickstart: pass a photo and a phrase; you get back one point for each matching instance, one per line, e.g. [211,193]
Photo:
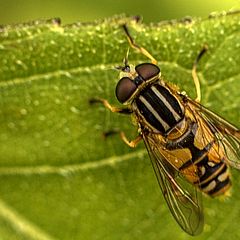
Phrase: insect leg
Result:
[135,46]
[109,106]
[132,143]
[194,73]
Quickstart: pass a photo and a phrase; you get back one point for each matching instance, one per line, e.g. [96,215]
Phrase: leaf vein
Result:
[68,73]
[21,224]
[64,170]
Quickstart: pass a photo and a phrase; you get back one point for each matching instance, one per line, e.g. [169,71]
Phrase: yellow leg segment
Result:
[132,143]
[140,49]
[195,76]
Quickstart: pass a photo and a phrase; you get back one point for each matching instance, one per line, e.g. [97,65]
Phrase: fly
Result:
[190,147]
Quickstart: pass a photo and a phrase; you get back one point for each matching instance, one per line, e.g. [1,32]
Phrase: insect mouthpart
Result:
[125,68]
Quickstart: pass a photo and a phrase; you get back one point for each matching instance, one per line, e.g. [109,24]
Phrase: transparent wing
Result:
[183,199]
[227,135]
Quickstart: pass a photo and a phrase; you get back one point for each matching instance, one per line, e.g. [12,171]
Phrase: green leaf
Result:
[60,179]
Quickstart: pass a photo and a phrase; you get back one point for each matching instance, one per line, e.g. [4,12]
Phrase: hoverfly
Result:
[190,147]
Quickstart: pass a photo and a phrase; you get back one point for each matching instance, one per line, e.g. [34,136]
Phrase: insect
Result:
[190,147]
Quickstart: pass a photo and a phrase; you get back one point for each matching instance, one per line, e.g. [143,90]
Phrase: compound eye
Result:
[124,89]
[147,70]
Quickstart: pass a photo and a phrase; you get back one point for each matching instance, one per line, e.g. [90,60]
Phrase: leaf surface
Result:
[60,179]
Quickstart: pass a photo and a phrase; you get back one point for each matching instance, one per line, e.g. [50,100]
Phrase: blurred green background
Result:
[15,11]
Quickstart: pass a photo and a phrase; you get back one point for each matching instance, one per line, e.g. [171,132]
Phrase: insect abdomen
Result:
[206,167]
[159,108]
[214,176]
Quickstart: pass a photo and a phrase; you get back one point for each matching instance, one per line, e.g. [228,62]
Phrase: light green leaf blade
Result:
[60,179]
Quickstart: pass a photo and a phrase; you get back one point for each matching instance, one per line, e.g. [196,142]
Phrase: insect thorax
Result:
[158,108]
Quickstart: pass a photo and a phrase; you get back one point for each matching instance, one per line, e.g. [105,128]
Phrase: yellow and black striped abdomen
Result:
[200,159]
